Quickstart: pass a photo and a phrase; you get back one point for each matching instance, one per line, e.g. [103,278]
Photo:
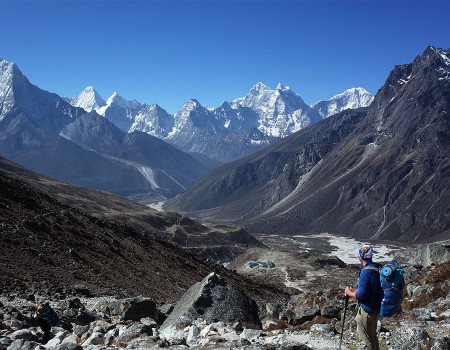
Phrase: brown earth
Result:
[48,245]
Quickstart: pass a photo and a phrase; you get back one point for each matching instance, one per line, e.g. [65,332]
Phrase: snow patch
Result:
[346,249]
[157,205]
[368,150]
[149,175]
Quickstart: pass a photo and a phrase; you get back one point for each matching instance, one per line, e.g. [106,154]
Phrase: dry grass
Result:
[307,325]
[436,278]
[425,298]
[279,325]
[440,274]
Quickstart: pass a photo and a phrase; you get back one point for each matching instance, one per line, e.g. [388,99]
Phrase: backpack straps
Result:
[373,268]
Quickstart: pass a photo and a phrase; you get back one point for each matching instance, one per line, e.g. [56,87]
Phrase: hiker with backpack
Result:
[369,295]
[47,318]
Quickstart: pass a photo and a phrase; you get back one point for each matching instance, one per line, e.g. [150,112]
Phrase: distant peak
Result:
[194,101]
[431,48]
[280,86]
[435,52]
[11,67]
[353,91]
[116,99]
[191,104]
[113,97]
[356,90]
[259,87]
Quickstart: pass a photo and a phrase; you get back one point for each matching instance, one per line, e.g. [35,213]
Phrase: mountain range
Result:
[379,172]
[228,132]
[43,132]
[140,150]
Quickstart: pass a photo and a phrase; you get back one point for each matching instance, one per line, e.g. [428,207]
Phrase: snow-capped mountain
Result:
[89,99]
[153,120]
[128,115]
[120,111]
[251,122]
[6,93]
[241,126]
[281,111]
[380,172]
[47,110]
[349,99]
[224,133]
[43,132]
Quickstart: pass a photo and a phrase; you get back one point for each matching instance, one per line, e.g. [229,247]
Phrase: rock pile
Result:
[216,315]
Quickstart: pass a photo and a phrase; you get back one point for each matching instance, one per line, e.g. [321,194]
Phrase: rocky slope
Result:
[214,243]
[209,315]
[380,172]
[112,285]
[62,244]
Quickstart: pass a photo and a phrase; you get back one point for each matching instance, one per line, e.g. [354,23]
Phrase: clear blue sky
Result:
[167,52]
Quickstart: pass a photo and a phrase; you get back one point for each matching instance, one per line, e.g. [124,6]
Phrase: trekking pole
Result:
[343,320]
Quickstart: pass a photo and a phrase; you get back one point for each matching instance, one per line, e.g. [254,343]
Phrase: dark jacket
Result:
[369,293]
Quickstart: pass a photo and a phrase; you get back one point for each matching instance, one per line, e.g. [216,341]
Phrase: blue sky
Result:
[167,52]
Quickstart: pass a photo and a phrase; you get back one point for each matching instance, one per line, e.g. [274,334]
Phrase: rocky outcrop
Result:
[212,299]
[431,254]
[132,309]
[310,320]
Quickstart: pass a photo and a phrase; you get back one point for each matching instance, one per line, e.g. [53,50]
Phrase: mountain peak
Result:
[437,55]
[281,87]
[349,99]
[113,97]
[259,87]
[9,72]
[89,99]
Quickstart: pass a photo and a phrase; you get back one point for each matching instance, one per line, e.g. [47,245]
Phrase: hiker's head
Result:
[366,252]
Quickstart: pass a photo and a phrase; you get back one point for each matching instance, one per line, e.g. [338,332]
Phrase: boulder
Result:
[25,334]
[69,346]
[323,328]
[410,338]
[441,343]
[331,312]
[193,334]
[304,314]
[250,334]
[212,299]
[288,316]
[131,309]
[74,303]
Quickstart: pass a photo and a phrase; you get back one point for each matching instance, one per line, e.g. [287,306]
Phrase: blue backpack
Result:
[392,283]
[50,315]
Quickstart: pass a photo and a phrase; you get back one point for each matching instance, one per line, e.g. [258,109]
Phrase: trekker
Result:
[369,297]
[47,318]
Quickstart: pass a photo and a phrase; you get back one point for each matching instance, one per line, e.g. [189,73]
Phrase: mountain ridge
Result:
[243,125]
[368,173]
[34,121]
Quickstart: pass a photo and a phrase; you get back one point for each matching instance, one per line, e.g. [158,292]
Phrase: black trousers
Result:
[45,326]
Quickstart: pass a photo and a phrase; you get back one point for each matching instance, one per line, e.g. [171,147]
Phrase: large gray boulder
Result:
[429,254]
[410,338]
[213,300]
[131,309]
